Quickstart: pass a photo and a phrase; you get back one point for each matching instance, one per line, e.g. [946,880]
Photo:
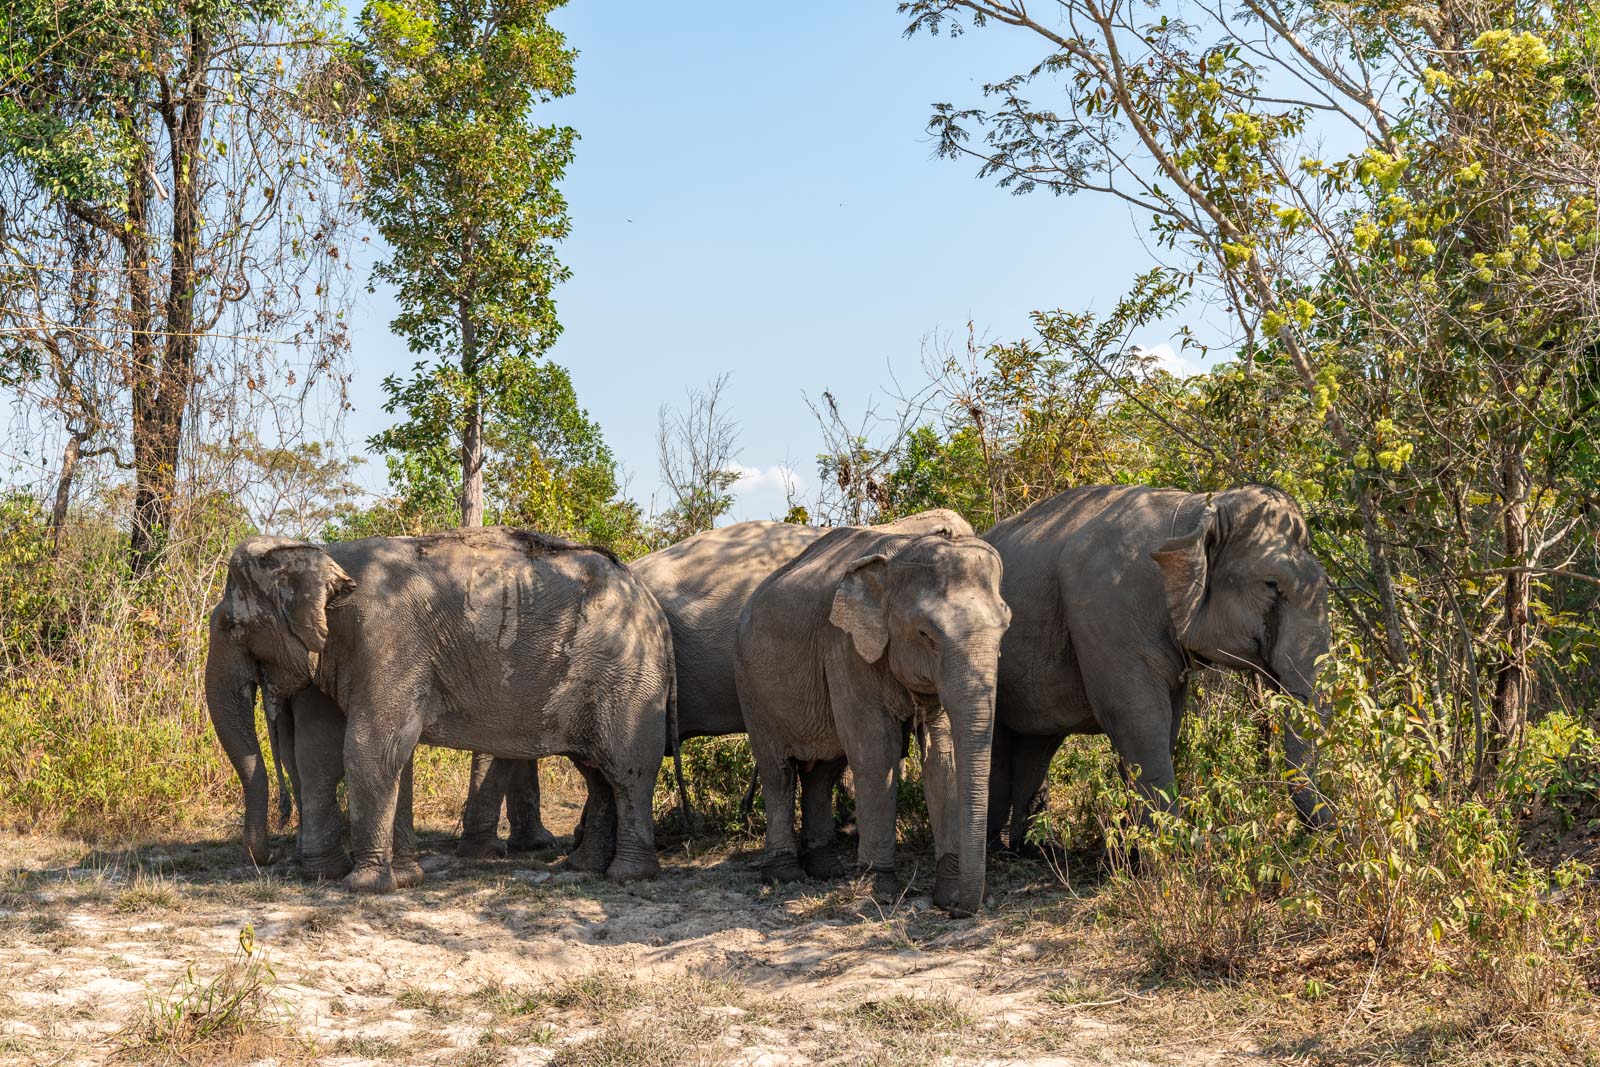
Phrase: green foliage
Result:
[27,580]
[65,101]
[1413,873]
[547,465]
[462,185]
[717,770]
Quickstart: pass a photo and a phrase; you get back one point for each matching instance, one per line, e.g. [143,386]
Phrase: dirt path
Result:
[137,956]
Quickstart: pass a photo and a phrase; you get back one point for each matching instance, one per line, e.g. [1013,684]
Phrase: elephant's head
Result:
[932,608]
[267,632]
[1244,591]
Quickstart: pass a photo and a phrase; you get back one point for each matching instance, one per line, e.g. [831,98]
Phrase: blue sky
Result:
[755,192]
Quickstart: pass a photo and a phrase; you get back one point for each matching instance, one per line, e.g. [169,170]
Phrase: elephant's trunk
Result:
[231,699]
[1294,663]
[967,692]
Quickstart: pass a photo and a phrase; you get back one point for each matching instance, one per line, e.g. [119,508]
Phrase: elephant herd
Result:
[1085,613]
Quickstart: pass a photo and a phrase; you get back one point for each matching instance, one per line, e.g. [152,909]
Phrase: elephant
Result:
[701,583]
[838,654]
[306,732]
[493,639]
[1120,592]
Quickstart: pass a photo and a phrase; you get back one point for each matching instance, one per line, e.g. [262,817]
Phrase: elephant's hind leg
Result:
[528,832]
[599,845]
[820,853]
[1030,790]
[480,815]
[635,855]
[780,860]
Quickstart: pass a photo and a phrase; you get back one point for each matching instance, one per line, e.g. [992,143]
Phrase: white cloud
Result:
[763,493]
[1171,360]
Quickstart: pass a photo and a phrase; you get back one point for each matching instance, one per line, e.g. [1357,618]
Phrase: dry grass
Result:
[231,1016]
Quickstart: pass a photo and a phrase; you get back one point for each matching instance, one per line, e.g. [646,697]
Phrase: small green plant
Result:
[236,1007]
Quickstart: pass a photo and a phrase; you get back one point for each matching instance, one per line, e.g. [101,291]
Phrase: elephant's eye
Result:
[1272,584]
[927,637]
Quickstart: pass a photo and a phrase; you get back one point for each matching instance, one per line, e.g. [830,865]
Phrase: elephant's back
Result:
[502,599]
[1071,553]
[703,584]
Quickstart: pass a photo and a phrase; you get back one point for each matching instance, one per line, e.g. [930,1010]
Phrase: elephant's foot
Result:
[781,867]
[329,868]
[370,880]
[408,872]
[946,882]
[536,840]
[826,863]
[477,847]
[887,887]
[631,870]
[590,857]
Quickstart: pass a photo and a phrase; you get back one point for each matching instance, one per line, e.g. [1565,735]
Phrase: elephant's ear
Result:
[858,605]
[306,582]
[1184,571]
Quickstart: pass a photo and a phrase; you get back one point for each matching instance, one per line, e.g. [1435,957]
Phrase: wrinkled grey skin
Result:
[838,654]
[702,584]
[1118,592]
[496,640]
[307,736]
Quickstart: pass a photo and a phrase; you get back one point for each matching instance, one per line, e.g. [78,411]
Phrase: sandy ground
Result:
[136,956]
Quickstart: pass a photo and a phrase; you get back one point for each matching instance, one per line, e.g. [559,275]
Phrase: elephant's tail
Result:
[685,812]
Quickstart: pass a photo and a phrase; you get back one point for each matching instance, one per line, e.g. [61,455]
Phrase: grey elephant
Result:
[1120,592]
[498,640]
[702,584]
[306,732]
[838,654]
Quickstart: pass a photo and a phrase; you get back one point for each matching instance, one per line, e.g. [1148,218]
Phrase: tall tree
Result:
[193,140]
[1420,303]
[461,182]
[546,463]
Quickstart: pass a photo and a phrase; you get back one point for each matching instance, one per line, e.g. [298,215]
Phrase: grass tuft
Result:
[233,1014]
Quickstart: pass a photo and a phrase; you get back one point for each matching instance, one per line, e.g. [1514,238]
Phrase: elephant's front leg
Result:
[319,731]
[376,757]
[873,743]
[944,808]
[528,832]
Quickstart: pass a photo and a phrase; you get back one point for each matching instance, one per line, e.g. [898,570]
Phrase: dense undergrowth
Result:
[1427,879]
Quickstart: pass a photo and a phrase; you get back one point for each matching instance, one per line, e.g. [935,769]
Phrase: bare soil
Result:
[134,956]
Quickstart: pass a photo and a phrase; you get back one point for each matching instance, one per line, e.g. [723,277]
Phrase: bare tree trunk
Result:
[69,467]
[147,513]
[159,411]
[472,430]
[1511,677]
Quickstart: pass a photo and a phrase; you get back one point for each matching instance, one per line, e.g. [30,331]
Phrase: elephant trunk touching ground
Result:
[231,685]
[966,688]
[1296,643]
